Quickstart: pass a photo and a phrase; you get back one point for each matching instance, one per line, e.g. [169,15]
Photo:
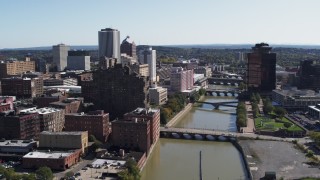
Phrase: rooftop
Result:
[49,155]
[295,92]
[45,110]
[144,111]
[16,143]
[62,133]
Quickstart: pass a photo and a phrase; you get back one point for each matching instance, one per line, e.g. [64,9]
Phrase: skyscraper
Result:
[78,60]
[60,54]
[109,44]
[128,48]
[261,69]
[149,57]
[309,75]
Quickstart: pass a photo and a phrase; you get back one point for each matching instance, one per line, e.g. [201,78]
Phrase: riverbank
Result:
[280,157]
[178,116]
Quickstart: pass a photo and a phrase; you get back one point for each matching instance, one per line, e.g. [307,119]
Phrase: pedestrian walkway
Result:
[250,120]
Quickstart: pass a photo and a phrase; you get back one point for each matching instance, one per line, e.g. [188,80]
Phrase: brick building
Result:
[95,122]
[147,114]
[22,87]
[132,134]
[19,126]
[51,119]
[70,105]
[56,160]
[116,90]
[13,68]
[44,101]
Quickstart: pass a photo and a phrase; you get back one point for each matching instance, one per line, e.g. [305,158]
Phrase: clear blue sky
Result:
[32,23]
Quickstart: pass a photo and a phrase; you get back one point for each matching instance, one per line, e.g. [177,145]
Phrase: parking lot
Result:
[304,121]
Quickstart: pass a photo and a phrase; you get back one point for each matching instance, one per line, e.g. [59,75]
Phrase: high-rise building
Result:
[128,48]
[109,44]
[78,60]
[149,57]
[261,69]
[309,75]
[13,68]
[116,90]
[60,54]
[180,79]
[95,122]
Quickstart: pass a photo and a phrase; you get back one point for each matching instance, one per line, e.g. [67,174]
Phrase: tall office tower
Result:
[116,90]
[78,60]
[180,79]
[128,48]
[60,54]
[261,69]
[149,57]
[309,75]
[109,44]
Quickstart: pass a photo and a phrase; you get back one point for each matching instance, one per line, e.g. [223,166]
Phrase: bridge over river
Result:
[211,134]
[218,104]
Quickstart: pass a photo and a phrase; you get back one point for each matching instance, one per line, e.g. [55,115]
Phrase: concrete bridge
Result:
[197,134]
[227,76]
[218,104]
[210,134]
[225,81]
[233,92]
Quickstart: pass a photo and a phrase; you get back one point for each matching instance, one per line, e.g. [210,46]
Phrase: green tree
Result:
[202,92]
[132,173]
[280,111]
[44,173]
[267,106]
[242,86]
[68,174]
[315,136]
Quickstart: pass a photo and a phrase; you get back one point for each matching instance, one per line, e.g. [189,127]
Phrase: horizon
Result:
[38,23]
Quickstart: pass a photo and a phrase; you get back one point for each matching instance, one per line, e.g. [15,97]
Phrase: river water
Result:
[175,159]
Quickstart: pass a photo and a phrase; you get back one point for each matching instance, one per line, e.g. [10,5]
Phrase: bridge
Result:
[210,134]
[227,76]
[225,81]
[233,92]
[218,104]
[198,134]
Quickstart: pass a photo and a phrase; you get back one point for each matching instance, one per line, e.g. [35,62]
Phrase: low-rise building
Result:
[17,146]
[22,87]
[70,105]
[206,70]
[56,160]
[158,95]
[95,122]
[44,101]
[314,111]
[294,99]
[64,140]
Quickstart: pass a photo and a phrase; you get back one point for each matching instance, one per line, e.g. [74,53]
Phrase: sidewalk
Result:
[250,120]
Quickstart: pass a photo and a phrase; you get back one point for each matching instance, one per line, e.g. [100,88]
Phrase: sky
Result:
[35,23]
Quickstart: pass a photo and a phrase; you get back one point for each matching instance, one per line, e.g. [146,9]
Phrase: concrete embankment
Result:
[178,116]
[243,156]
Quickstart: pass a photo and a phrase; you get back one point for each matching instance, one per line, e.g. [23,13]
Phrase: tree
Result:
[44,173]
[315,136]
[267,106]
[242,86]
[132,173]
[202,92]
[280,111]
[92,138]
[68,174]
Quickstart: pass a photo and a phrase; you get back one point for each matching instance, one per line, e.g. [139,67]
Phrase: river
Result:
[178,159]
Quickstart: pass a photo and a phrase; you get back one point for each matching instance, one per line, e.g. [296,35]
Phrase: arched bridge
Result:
[218,104]
[198,134]
[233,92]
[233,81]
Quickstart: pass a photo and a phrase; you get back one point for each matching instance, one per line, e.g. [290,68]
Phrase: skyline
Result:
[38,23]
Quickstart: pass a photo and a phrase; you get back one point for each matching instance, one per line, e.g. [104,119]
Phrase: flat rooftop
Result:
[45,110]
[48,155]
[16,143]
[62,133]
